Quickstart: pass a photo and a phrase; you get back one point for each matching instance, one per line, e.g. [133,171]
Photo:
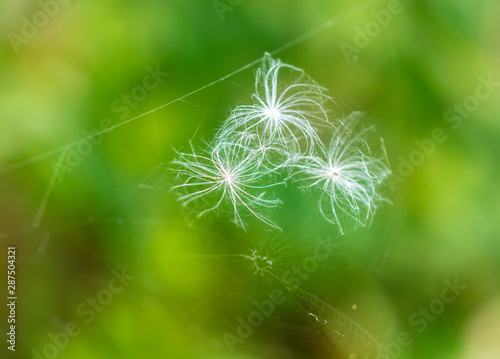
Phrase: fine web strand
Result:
[335,327]
[43,204]
[317,30]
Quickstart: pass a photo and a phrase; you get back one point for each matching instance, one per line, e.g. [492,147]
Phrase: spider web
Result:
[338,334]
[342,336]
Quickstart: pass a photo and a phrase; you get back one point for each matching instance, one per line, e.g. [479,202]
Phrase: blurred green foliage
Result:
[188,289]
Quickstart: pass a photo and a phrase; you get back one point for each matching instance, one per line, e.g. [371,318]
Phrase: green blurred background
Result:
[74,67]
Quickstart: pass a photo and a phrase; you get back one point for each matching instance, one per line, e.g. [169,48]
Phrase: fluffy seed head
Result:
[288,109]
[347,175]
[231,176]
